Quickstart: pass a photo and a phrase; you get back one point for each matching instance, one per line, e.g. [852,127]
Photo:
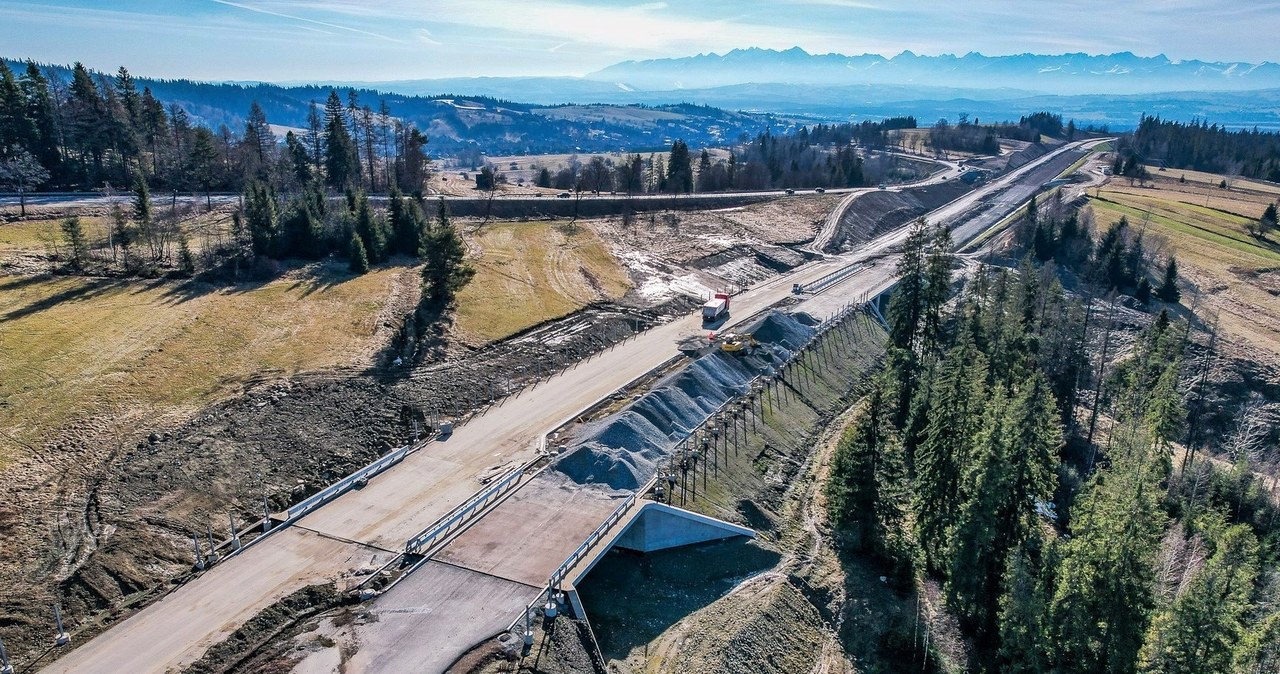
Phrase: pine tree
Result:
[87,119]
[910,296]
[370,229]
[970,583]
[1025,647]
[186,261]
[1108,267]
[937,279]
[202,163]
[73,238]
[853,490]
[1143,292]
[680,168]
[13,118]
[1168,291]
[1012,472]
[260,218]
[407,224]
[956,396]
[1105,588]
[446,270]
[1268,220]
[259,145]
[1200,631]
[342,167]
[154,129]
[359,261]
[142,211]
[43,116]
[314,139]
[704,172]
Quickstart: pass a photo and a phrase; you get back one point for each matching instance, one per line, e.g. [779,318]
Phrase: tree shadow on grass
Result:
[79,293]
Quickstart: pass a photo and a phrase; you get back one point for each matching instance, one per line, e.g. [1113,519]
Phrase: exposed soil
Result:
[878,212]
[111,530]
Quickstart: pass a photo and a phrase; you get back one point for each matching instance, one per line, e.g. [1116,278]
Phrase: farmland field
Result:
[1204,226]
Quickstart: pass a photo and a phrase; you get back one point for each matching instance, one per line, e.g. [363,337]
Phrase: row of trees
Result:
[1058,550]
[1119,261]
[94,131]
[821,156]
[1206,147]
[971,136]
[310,226]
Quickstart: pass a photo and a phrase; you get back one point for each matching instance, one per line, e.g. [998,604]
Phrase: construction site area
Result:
[609,458]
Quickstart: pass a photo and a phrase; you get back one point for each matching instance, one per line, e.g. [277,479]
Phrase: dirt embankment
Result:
[786,602]
[113,530]
[875,213]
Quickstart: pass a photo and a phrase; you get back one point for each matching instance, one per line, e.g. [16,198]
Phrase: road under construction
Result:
[484,570]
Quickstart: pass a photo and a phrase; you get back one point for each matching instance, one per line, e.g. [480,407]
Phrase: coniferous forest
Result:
[1046,466]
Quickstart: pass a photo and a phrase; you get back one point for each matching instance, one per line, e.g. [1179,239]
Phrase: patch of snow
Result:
[659,284]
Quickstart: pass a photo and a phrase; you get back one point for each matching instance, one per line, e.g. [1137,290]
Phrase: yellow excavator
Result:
[738,343]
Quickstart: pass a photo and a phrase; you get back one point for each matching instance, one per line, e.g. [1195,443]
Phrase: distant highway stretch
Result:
[91,199]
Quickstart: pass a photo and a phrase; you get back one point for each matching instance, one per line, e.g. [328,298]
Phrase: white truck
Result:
[715,308]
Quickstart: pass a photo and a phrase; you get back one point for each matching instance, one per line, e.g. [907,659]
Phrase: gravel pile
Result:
[624,450]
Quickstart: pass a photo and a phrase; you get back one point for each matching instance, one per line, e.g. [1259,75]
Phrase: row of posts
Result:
[705,443]
[726,430]
[205,560]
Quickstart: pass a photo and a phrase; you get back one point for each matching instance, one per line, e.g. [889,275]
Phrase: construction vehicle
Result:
[738,344]
[715,308]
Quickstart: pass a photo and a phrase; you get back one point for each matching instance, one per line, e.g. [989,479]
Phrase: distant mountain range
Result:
[1112,89]
[1122,73]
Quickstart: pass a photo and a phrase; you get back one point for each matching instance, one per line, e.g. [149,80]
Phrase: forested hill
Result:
[453,122]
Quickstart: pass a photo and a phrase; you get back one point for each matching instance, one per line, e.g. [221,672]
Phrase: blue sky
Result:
[380,40]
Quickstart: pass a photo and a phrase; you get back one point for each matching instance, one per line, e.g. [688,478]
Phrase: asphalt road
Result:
[361,528]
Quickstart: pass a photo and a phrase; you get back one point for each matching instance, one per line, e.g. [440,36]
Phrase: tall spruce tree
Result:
[1025,647]
[1105,589]
[957,393]
[446,270]
[1012,472]
[42,113]
[342,166]
[680,168]
[1168,291]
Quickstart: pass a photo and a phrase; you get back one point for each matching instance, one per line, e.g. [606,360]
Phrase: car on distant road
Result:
[821,190]
[563,195]
[790,191]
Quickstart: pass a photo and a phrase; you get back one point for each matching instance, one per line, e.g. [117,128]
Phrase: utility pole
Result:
[5,666]
[195,543]
[235,538]
[60,638]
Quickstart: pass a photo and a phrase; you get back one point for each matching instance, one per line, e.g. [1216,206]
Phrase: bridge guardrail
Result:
[423,539]
[341,486]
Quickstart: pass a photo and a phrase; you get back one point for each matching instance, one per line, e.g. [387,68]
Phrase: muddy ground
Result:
[101,522]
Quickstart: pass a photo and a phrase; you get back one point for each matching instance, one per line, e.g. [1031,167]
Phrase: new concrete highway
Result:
[363,529]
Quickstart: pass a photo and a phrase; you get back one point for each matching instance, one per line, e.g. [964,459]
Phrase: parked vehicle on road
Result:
[715,308]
